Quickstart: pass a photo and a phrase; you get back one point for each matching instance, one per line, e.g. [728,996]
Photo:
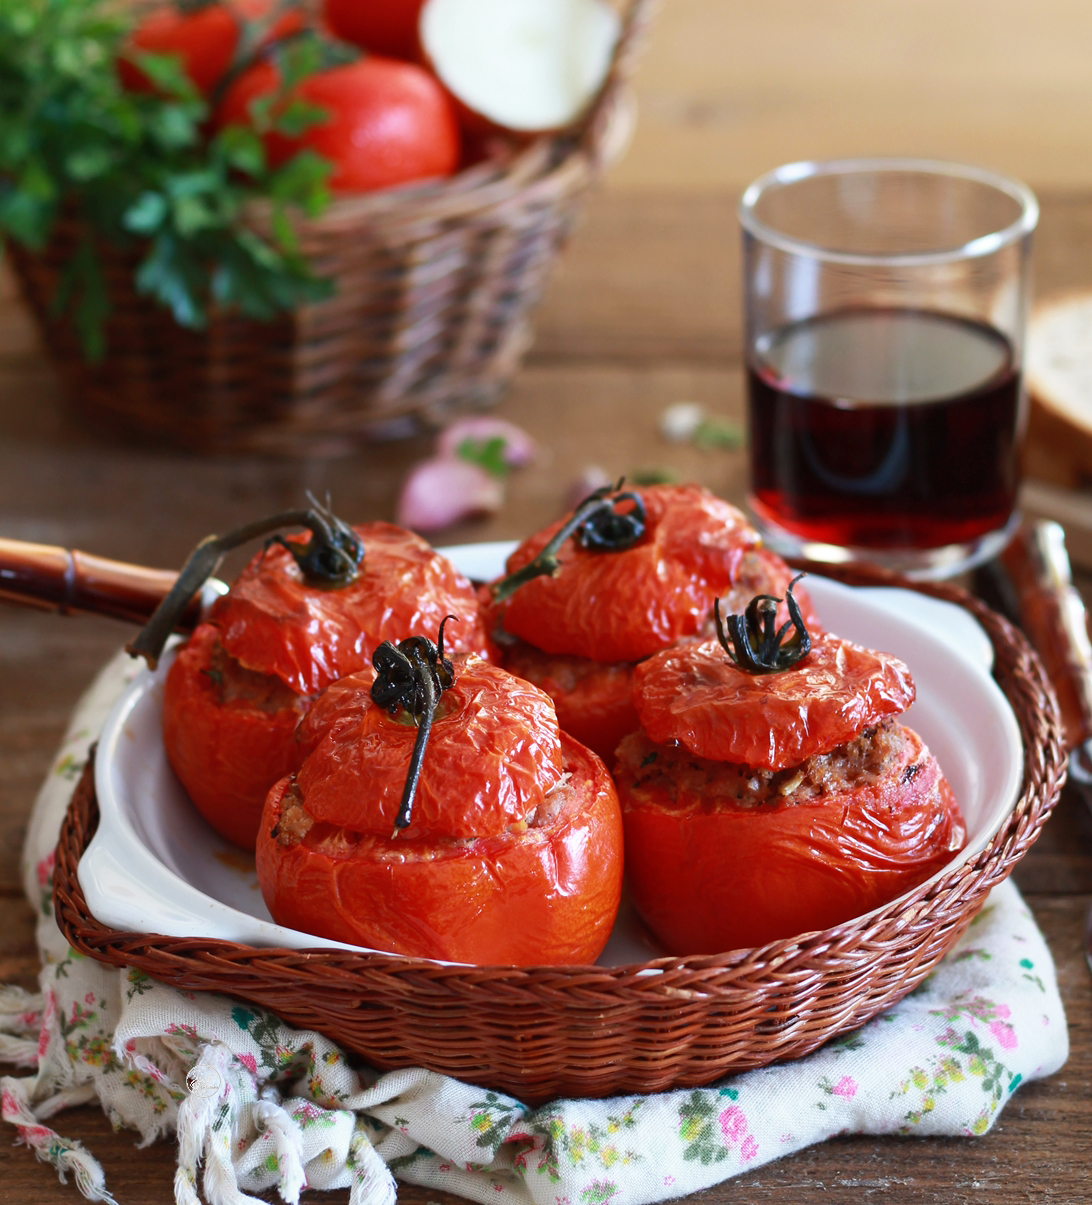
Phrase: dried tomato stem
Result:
[417,758]
[412,675]
[613,537]
[331,559]
[754,642]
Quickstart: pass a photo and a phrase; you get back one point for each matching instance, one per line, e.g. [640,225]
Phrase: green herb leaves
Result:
[488,454]
[207,219]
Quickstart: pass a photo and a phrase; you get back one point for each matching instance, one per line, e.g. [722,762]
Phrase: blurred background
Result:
[728,91]
[643,310]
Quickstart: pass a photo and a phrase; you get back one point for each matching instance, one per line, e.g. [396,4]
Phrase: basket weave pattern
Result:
[540,1033]
[435,286]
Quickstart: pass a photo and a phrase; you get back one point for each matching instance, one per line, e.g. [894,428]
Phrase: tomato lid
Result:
[272,621]
[625,605]
[493,755]
[695,695]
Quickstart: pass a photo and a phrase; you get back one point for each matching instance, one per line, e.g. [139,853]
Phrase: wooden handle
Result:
[63,580]
[1054,619]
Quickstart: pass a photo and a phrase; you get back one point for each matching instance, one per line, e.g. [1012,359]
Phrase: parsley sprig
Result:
[143,172]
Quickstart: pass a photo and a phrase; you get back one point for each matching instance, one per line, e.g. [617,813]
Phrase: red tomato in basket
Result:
[758,806]
[237,689]
[204,39]
[388,122]
[229,733]
[387,27]
[708,877]
[514,851]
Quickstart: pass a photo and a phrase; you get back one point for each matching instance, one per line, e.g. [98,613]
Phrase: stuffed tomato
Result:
[495,840]
[628,574]
[774,794]
[239,686]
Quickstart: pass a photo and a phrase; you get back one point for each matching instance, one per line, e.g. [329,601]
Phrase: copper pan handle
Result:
[67,581]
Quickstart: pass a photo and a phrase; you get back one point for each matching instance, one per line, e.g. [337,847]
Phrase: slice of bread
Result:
[1058,376]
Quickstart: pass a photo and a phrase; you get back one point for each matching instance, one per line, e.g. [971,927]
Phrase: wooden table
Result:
[642,313]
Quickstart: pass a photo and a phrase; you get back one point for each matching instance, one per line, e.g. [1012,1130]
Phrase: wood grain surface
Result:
[643,312]
[731,89]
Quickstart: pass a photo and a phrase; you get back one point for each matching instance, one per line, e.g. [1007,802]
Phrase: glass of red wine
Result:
[885,307]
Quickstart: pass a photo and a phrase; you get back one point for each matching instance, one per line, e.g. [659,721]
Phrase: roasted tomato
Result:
[229,733]
[581,630]
[205,40]
[237,689]
[695,696]
[387,122]
[513,850]
[594,698]
[721,856]
[763,803]
[624,603]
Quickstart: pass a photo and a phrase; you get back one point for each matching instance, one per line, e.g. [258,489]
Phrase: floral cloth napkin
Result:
[261,1105]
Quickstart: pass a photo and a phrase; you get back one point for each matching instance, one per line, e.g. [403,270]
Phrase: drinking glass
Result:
[885,307]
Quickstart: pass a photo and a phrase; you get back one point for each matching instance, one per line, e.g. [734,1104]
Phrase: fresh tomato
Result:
[204,39]
[388,27]
[237,689]
[513,854]
[625,605]
[388,123]
[696,696]
[709,875]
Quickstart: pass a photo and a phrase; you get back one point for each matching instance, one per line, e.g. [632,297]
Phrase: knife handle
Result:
[1054,619]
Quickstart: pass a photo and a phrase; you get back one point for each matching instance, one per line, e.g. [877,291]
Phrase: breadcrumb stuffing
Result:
[652,769]
[295,822]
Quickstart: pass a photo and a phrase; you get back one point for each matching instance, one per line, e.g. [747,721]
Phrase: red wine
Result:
[884,428]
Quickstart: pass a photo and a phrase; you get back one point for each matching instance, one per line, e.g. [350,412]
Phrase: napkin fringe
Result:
[20,1025]
[20,1052]
[274,1119]
[65,1155]
[207,1123]
[372,1182]
[20,1010]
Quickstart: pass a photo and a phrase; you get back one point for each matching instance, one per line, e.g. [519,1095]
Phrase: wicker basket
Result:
[435,288]
[546,1032]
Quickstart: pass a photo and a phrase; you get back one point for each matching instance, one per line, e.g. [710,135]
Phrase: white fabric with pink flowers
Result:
[258,1105]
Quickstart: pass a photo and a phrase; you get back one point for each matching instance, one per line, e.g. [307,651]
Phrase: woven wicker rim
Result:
[614,1029]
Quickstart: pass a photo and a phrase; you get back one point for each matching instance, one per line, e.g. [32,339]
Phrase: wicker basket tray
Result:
[435,288]
[545,1032]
